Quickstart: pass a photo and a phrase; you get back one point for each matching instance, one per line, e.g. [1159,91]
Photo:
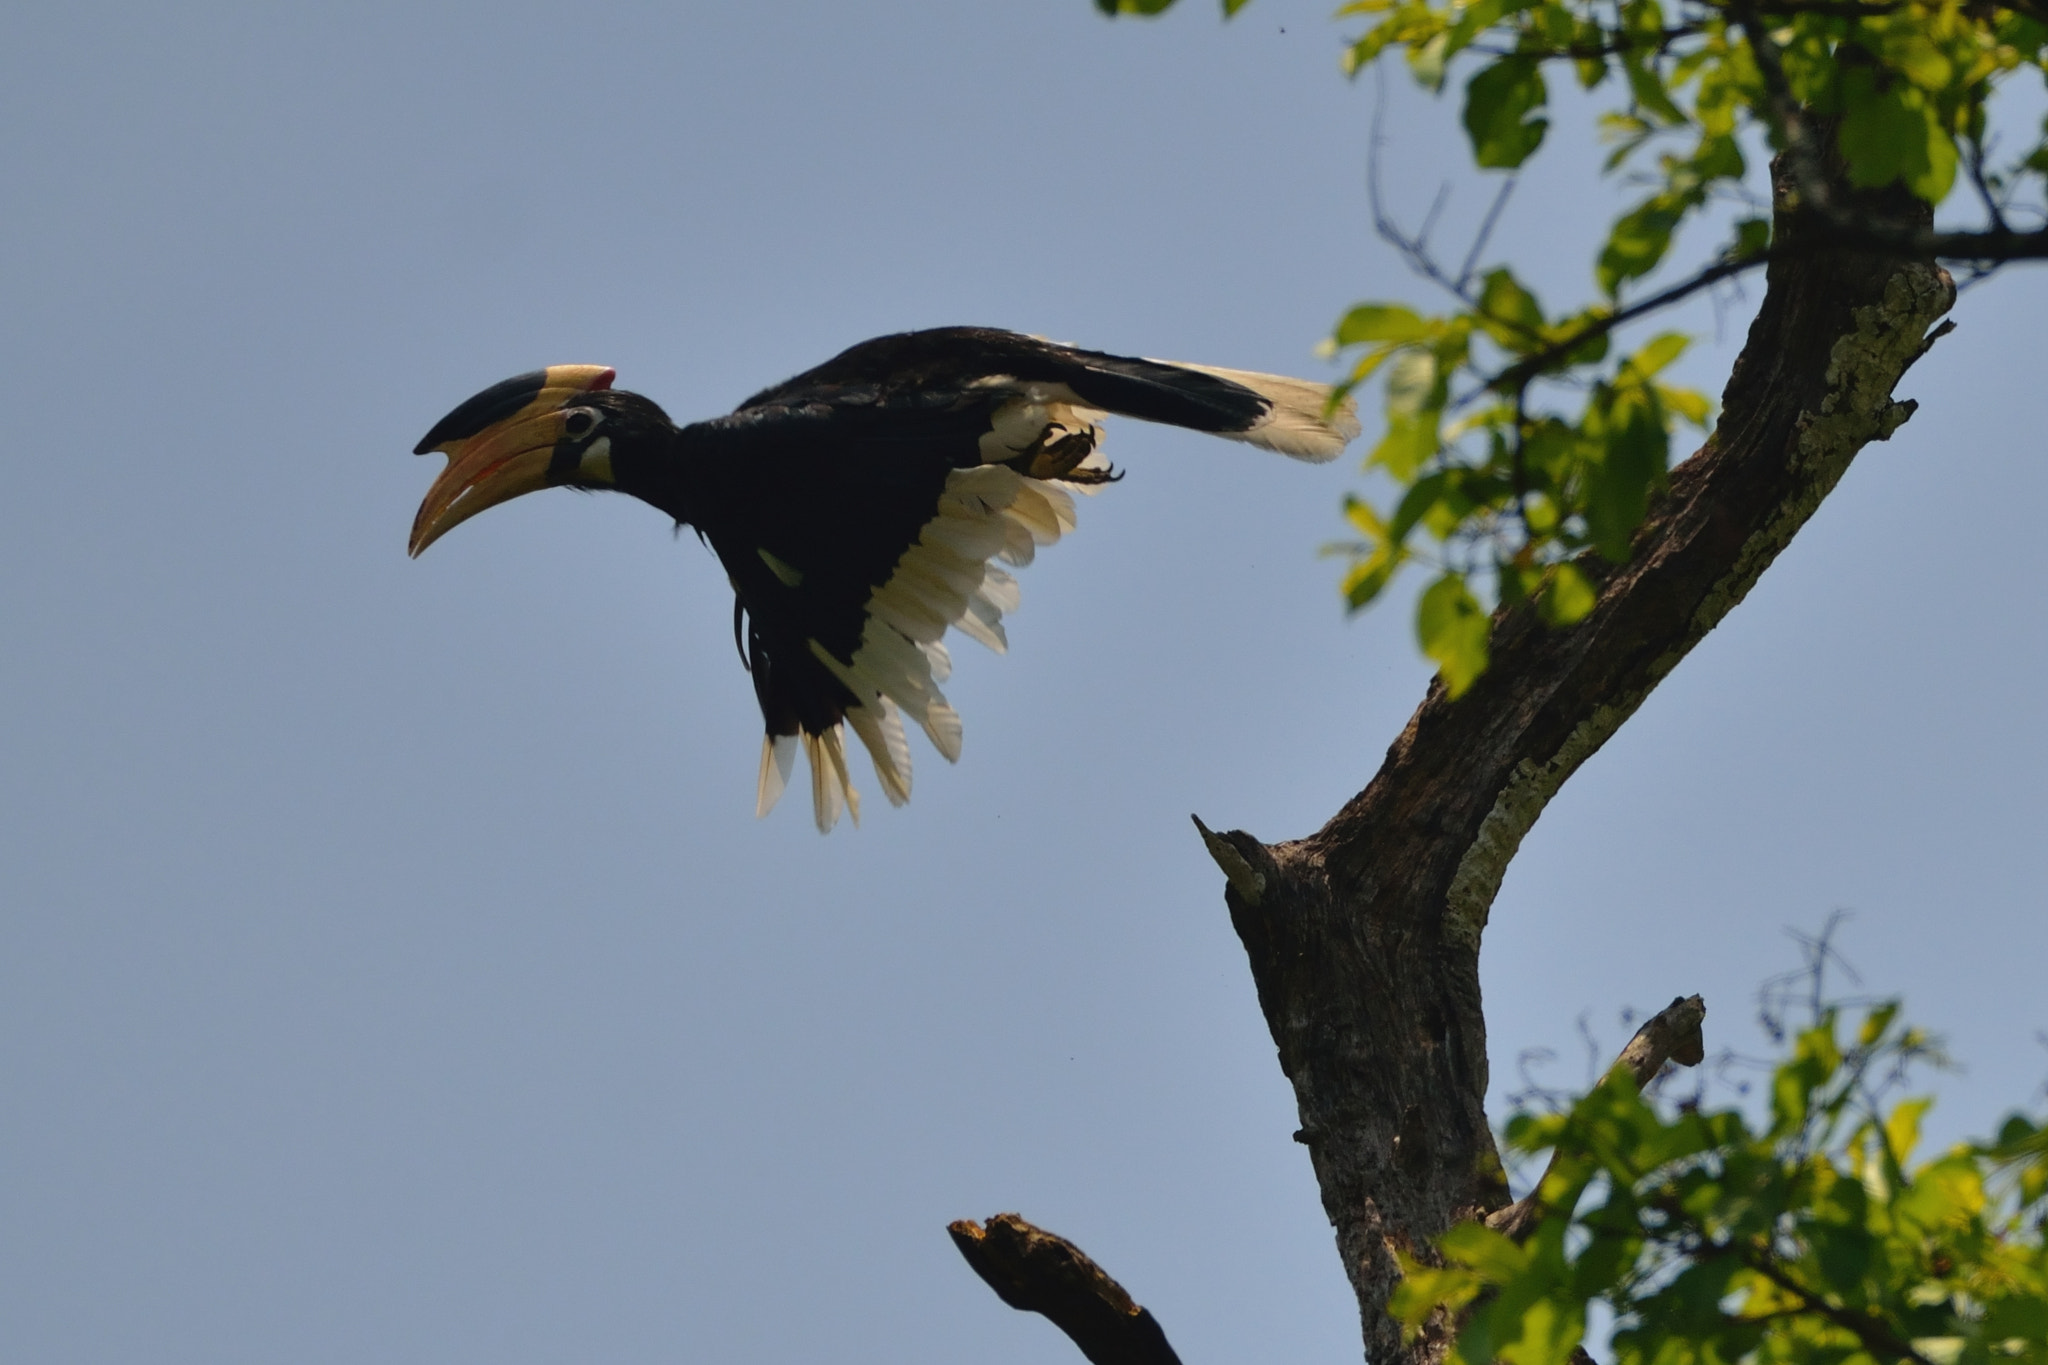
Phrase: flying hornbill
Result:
[858,508]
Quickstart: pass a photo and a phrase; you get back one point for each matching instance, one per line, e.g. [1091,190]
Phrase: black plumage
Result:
[858,507]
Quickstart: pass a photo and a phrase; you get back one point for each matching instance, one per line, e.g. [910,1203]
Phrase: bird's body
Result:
[860,507]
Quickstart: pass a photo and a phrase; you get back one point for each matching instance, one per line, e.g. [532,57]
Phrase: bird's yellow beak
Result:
[499,445]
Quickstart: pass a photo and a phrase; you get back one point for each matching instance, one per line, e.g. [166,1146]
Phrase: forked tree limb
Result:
[1041,1272]
[1364,937]
[1670,1035]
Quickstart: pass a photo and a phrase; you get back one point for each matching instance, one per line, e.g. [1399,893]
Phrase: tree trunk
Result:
[1364,937]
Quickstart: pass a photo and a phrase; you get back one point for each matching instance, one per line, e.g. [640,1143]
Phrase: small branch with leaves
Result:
[1524,448]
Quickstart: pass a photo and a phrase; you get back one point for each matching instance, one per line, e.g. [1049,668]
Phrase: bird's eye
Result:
[579,422]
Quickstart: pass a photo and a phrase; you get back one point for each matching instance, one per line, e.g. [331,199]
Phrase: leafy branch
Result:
[1810,1238]
[1522,452]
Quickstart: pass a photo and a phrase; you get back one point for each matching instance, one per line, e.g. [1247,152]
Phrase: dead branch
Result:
[1036,1271]
[1670,1035]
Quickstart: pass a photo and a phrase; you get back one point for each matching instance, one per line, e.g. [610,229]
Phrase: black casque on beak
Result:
[499,445]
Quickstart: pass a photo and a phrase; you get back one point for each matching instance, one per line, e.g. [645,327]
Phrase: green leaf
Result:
[1943,1194]
[1654,357]
[1367,366]
[1500,117]
[1694,406]
[1510,314]
[1814,1061]
[1408,443]
[1475,19]
[1422,495]
[1718,158]
[1425,1290]
[1412,384]
[1376,562]
[1635,452]
[1453,628]
[1116,7]
[1368,578]
[1876,1022]
[1648,88]
[2020,1319]
[1381,322]
[1480,1248]
[1545,1334]
[1593,349]
[1908,50]
[1902,1128]
[1626,146]
[1752,238]
[1414,393]
[1643,19]
[1895,134]
[1567,597]
[1366,518]
[1638,242]
[1426,60]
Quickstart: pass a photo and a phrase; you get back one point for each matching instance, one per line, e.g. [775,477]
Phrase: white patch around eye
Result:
[596,464]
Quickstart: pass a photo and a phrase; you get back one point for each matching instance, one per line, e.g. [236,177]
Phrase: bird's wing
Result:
[867,506]
[1292,416]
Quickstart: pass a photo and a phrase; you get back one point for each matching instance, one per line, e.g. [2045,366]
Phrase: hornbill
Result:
[859,508]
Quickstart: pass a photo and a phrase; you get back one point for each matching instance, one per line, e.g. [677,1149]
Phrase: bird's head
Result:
[559,427]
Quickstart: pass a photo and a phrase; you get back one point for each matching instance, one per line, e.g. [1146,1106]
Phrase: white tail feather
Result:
[778,756]
[1299,422]
[831,787]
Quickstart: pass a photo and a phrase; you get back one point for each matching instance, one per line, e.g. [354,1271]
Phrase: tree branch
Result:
[1670,1035]
[1518,376]
[1036,1271]
[1363,938]
[1996,245]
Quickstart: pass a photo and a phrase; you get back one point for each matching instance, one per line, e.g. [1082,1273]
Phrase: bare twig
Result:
[1414,250]
[1670,1035]
[1806,987]
[1973,159]
[1420,248]
[1485,233]
[1036,1271]
[1655,43]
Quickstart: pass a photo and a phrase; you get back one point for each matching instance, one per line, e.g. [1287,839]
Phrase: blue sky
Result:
[391,967]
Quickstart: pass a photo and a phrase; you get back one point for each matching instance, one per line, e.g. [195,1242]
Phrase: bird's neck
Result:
[653,464]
